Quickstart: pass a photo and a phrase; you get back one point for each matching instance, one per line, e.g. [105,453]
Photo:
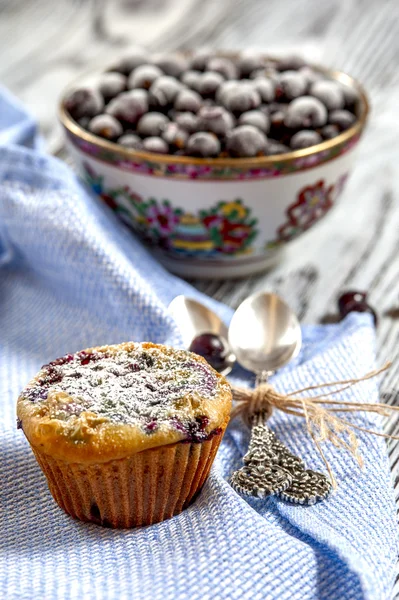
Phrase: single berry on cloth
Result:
[212,347]
[84,102]
[144,76]
[362,307]
[349,297]
[246,141]
[106,126]
[355,301]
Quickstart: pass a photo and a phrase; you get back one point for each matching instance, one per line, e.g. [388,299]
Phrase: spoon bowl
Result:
[194,318]
[264,333]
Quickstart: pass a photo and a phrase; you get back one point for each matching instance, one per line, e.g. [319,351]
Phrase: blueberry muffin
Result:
[125,434]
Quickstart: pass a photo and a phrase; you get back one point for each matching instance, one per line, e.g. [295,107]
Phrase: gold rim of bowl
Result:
[246,163]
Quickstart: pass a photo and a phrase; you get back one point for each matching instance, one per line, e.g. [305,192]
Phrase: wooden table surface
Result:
[45,44]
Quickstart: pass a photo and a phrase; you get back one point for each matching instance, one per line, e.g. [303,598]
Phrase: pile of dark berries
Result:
[212,106]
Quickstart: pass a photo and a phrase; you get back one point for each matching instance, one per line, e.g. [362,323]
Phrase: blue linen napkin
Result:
[70,277]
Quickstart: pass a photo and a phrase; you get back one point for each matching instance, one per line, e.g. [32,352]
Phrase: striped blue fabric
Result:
[72,277]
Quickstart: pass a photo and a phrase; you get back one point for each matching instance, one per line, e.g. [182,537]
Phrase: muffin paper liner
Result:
[142,489]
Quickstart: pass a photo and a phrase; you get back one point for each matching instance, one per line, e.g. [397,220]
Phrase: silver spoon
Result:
[264,335]
[195,319]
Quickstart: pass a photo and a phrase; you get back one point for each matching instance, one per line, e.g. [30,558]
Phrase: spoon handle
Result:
[271,469]
[262,377]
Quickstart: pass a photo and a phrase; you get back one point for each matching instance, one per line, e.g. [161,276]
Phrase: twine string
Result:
[322,422]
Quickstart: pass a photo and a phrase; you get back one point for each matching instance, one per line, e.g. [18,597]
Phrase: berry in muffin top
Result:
[133,384]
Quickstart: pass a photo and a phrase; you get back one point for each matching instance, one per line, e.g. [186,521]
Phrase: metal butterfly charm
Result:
[271,469]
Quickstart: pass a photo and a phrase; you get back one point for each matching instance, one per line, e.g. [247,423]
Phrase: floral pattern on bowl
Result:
[312,203]
[227,228]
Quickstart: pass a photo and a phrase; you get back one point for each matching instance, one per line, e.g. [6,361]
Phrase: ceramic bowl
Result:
[221,217]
